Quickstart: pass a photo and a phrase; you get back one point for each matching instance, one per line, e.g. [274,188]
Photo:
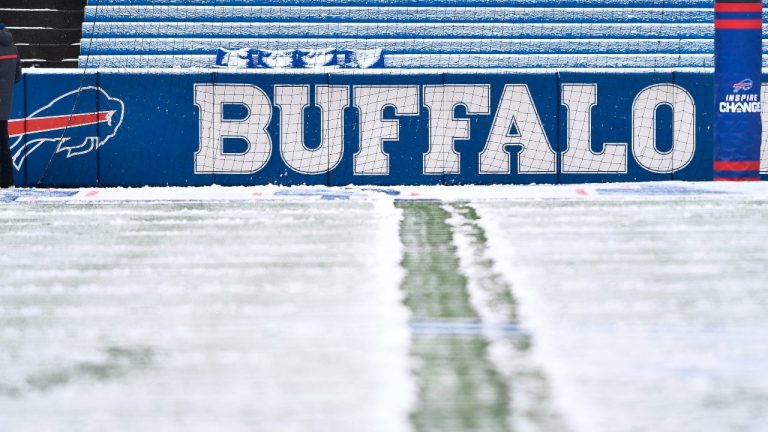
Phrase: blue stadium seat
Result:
[646,34]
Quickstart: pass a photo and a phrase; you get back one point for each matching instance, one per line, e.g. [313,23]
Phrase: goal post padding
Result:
[738,62]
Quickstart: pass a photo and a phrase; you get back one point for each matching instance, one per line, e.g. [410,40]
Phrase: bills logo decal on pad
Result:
[59,124]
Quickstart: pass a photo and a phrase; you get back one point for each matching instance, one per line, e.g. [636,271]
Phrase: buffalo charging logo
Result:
[66,129]
[744,85]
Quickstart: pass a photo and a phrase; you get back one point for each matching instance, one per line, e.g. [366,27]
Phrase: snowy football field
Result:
[583,308]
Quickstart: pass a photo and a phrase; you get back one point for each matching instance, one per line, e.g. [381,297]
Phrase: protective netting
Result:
[320,44]
[410,33]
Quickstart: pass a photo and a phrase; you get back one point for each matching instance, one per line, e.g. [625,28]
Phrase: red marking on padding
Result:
[738,7]
[737,179]
[45,124]
[581,192]
[9,57]
[737,166]
[738,24]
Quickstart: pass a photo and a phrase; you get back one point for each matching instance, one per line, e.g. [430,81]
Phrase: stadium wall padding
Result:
[144,128]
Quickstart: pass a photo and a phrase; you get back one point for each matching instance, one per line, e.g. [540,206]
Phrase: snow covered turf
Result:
[584,308]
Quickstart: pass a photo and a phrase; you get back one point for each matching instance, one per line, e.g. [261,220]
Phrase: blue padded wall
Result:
[150,126]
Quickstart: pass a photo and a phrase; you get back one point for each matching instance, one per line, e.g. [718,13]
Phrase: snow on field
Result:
[277,317]
[648,314]
[586,308]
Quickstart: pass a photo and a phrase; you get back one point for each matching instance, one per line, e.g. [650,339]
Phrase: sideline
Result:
[609,191]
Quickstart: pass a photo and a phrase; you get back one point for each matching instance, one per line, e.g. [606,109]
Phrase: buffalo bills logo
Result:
[65,130]
[744,85]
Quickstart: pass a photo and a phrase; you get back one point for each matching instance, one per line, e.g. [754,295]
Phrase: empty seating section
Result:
[649,34]
[47,32]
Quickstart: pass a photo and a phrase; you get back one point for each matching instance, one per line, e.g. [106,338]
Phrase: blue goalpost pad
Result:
[738,63]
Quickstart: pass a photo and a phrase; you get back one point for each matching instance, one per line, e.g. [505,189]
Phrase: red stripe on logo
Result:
[8,57]
[737,24]
[738,7]
[44,124]
[742,179]
[737,166]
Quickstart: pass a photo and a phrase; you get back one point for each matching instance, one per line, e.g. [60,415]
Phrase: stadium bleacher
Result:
[649,34]
[47,32]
